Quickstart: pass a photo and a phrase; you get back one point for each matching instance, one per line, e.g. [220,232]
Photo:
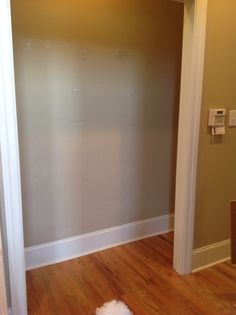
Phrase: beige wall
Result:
[97,97]
[216,184]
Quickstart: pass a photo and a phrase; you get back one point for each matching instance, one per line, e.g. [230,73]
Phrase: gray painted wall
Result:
[97,97]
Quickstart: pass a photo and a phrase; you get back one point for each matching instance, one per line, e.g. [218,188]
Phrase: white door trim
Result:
[189,123]
[10,165]
[190,104]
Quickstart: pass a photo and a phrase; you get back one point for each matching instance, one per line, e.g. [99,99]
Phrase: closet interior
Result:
[97,91]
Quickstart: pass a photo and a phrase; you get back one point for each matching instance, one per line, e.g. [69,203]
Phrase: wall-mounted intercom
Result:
[216,121]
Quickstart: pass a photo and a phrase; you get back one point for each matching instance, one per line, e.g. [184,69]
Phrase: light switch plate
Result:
[232,118]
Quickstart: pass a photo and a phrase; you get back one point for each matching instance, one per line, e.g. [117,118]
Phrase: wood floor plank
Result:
[140,274]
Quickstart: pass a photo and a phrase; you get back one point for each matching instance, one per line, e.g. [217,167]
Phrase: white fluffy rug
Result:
[113,308]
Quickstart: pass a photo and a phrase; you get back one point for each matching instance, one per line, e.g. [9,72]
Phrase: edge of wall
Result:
[73,247]
[210,255]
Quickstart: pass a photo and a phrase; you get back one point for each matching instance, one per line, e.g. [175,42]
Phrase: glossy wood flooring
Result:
[140,274]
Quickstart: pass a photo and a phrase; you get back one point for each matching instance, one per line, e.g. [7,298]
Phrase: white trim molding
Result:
[189,118]
[10,165]
[54,252]
[211,255]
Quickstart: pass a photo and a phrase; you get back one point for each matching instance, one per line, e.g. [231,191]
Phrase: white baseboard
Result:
[211,255]
[54,252]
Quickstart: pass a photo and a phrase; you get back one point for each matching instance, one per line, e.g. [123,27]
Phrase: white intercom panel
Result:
[216,121]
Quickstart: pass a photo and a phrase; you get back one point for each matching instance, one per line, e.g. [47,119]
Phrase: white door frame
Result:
[190,105]
[10,165]
[195,12]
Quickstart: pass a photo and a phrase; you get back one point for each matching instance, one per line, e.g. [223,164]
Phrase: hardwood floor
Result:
[140,274]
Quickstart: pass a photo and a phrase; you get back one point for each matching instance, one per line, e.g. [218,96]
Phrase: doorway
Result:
[195,12]
[97,101]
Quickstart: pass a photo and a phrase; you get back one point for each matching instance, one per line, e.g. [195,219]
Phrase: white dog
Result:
[113,308]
